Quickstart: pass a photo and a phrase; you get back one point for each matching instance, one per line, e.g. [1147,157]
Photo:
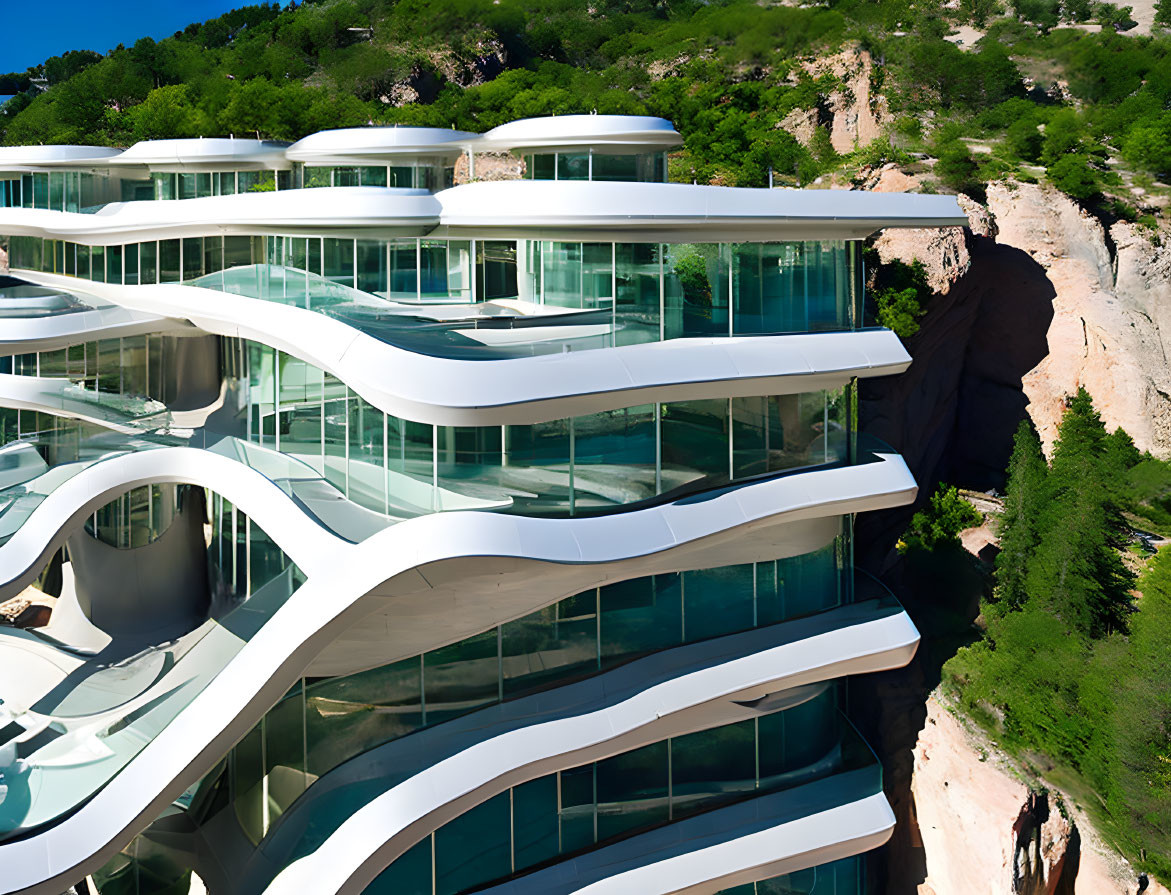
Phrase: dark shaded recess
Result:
[192,378]
[952,416]
[151,592]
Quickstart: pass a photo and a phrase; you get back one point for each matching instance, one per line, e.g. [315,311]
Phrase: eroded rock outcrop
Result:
[1111,317]
[851,112]
[984,830]
[1038,298]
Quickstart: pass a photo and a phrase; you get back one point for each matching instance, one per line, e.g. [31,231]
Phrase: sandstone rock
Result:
[858,116]
[801,123]
[985,831]
[1108,334]
[490,166]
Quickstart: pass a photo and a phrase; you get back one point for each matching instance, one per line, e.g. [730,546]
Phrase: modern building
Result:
[417,538]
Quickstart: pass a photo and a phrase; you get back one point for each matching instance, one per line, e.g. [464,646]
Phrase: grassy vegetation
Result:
[1074,664]
[727,72]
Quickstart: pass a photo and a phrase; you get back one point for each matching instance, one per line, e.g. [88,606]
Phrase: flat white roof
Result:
[671,211]
[352,145]
[628,133]
[204,154]
[569,210]
[22,159]
[335,210]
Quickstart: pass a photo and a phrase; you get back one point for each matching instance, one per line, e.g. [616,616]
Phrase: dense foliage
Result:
[939,524]
[1070,665]
[727,72]
[899,292]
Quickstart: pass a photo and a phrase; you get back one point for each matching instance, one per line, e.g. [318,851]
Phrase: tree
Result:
[979,11]
[1019,526]
[956,167]
[939,524]
[1076,569]
[1024,139]
[900,292]
[1148,144]
[1063,134]
[166,112]
[1075,176]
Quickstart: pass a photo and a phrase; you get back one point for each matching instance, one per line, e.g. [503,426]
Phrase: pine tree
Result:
[1076,569]
[1021,519]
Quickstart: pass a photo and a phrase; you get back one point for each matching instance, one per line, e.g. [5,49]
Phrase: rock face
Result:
[1036,300]
[857,115]
[490,166]
[985,831]
[1111,316]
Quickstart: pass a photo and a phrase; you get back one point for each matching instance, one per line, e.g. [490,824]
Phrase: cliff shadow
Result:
[952,416]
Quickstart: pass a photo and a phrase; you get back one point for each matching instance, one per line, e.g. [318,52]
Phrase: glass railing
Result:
[846,876]
[66,731]
[499,298]
[490,330]
[34,466]
[20,300]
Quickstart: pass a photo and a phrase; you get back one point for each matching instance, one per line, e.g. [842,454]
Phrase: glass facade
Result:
[323,723]
[426,173]
[198,185]
[571,811]
[562,467]
[245,568]
[596,294]
[847,876]
[80,191]
[590,164]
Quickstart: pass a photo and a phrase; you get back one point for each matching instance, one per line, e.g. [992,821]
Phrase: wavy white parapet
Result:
[430,581]
[375,211]
[383,829]
[61,397]
[681,212]
[26,334]
[524,390]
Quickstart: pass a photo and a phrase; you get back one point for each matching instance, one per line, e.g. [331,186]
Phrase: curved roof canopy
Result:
[613,133]
[671,211]
[20,159]
[336,210]
[355,145]
[200,154]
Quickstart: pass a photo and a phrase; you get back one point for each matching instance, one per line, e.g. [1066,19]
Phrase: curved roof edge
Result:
[350,145]
[524,390]
[646,211]
[22,159]
[586,210]
[204,154]
[617,132]
[338,210]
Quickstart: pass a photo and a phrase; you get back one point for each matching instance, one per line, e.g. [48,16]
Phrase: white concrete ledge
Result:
[380,831]
[524,390]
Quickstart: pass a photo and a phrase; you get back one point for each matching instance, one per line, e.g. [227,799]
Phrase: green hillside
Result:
[1048,101]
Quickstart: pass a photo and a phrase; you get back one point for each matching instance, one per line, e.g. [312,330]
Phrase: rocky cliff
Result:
[986,827]
[1037,299]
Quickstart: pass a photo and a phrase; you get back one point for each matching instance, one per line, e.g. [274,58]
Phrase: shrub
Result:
[939,523]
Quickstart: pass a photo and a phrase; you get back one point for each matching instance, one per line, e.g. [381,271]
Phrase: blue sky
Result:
[35,31]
